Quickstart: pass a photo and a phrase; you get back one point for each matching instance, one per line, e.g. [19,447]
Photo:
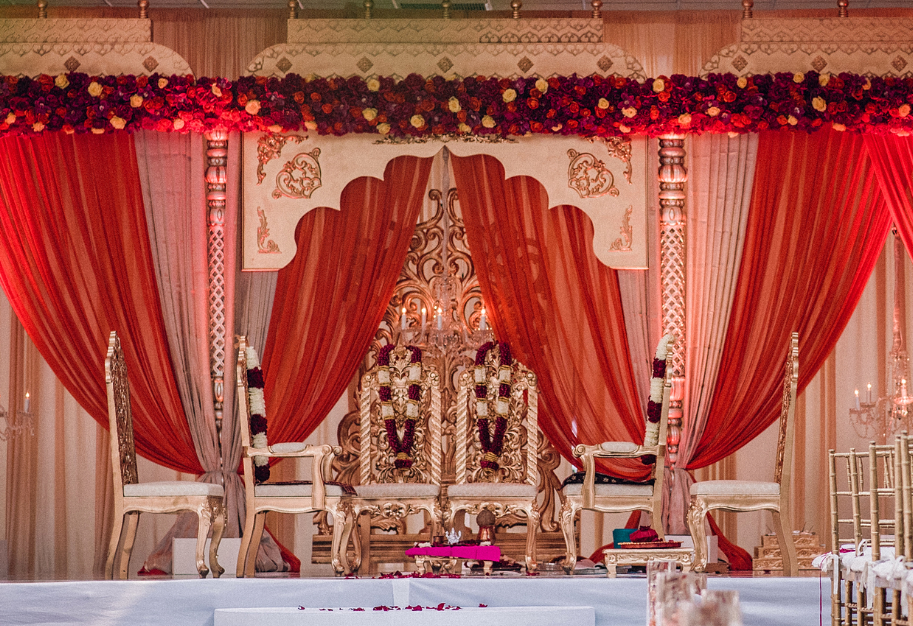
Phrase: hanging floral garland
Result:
[655,404]
[402,447]
[492,445]
[257,405]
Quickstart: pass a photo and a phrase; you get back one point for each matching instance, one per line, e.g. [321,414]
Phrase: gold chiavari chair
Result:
[843,497]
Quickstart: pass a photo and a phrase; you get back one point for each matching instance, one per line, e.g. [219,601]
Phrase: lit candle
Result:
[869,396]
[425,317]
[440,319]
[857,400]
[402,320]
[483,323]
[28,402]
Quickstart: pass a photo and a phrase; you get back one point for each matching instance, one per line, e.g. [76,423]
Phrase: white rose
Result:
[481,408]
[542,85]
[386,410]
[454,105]
[260,441]
[253,361]
[256,401]
[412,408]
[502,406]
[415,372]
[94,89]
[504,374]
[651,437]
[369,114]
[383,375]
[656,390]
[662,350]
[480,372]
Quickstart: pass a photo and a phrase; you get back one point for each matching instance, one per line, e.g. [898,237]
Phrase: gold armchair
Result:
[132,497]
[400,444]
[743,495]
[618,496]
[295,497]
[496,471]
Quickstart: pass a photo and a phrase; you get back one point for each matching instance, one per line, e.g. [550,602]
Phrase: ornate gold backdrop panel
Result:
[419,286]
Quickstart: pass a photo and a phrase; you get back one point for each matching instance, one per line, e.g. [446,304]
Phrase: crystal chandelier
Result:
[885,415]
[17,423]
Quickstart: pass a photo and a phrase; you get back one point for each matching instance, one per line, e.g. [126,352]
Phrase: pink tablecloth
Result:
[479,553]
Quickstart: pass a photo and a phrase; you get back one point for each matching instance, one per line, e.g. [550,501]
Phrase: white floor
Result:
[620,602]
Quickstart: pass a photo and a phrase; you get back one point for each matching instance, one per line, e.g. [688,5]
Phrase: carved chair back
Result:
[517,462]
[120,418]
[377,458]
[787,424]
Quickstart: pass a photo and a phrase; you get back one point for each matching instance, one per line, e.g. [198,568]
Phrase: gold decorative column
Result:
[672,177]
[216,158]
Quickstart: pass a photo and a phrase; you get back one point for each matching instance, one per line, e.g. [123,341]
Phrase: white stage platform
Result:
[765,601]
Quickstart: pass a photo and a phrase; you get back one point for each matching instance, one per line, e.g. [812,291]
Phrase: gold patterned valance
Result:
[287,175]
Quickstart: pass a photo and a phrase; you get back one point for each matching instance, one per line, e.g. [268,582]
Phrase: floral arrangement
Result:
[492,445]
[257,405]
[416,106]
[402,447]
[655,404]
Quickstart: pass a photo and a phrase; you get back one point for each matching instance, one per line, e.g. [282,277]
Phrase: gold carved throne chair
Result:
[497,442]
[400,454]
[745,495]
[606,494]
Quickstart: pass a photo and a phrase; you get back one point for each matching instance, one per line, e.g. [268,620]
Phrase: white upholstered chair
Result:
[132,497]
[294,497]
[503,481]
[606,494]
[744,495]
[395,484]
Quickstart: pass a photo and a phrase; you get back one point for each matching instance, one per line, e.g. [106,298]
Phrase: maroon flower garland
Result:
[257,414]
[587,106]
[492,445]
[401,447]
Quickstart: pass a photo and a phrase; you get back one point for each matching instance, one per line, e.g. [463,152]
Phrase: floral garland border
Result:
[655,403]
[402,447]
[257,404]
[492,445]
[477,106]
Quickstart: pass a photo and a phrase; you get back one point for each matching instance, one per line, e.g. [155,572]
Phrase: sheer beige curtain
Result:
[720,176]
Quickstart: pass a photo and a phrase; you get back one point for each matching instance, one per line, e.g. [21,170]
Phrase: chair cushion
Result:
[173,488]
[497,490]
[398,490]
[288,447]
[577,478]
[300,489]
[615,489]
[734,488]
[618,446]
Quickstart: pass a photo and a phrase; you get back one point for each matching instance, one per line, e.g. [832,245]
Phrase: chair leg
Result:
[116,531]
[657,514]
[567,515]
[342,528]
[532,525]
[204,522]
[787,544]
[249,520]
[251,567]
[129,540]
[218,528]
[697,512]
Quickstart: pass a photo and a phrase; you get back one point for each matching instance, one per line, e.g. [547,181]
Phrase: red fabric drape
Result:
[331,298]
[892,159]
[816,226]
[75,264]
[557,306]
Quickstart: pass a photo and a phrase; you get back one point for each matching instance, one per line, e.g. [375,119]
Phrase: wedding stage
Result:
[766,601]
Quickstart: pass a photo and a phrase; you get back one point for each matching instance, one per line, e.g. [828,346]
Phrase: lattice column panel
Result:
[672,177]
[216,157]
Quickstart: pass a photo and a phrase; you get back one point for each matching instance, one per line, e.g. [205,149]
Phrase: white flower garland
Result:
[651,436]
[257,405]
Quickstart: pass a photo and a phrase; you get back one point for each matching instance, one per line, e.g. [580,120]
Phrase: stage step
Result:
[427,616]
[767,555]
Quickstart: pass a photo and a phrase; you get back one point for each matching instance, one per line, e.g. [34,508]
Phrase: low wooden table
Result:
[613,558]
[447,558]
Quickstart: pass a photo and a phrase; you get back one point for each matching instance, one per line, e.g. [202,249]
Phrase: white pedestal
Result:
[491,616]
[184,556]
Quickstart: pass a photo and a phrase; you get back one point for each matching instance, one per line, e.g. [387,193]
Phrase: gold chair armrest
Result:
[589,454]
